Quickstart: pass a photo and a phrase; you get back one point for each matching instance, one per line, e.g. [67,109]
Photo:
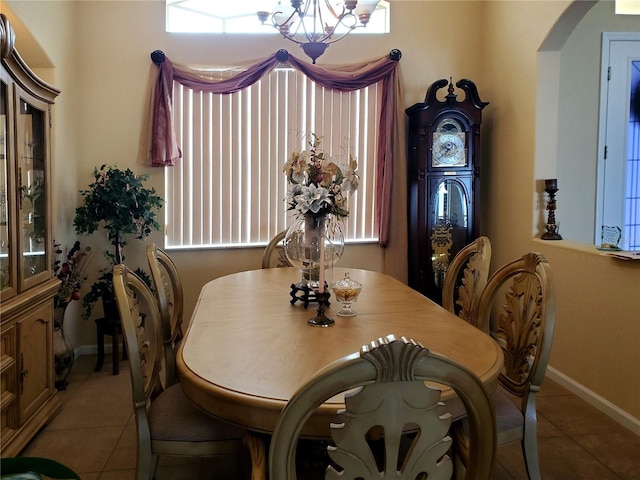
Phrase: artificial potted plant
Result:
[117,201]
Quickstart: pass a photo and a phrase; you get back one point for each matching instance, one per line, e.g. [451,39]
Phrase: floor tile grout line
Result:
[115,446]
[573,439]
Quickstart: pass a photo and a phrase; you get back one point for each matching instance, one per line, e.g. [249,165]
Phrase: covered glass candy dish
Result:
[346,291]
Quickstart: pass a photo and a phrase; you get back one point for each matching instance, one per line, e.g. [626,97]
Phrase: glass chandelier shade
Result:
[315,24]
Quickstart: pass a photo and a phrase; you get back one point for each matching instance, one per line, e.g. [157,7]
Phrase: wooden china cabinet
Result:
[28,397]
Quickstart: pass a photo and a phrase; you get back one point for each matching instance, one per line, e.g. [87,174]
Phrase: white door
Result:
[620,75]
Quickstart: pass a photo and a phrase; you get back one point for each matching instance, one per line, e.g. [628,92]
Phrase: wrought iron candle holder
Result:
[551,187]
[321,320]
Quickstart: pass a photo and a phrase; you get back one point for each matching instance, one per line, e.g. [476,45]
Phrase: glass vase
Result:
[63,353]
[311,241]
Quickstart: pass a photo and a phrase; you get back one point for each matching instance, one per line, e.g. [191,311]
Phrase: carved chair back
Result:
[517,307]
[168,289]
[274,255]
[465,279]
[523,322]
[384,389]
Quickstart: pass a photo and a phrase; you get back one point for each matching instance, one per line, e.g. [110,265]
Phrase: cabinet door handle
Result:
[22,189]
[23,373]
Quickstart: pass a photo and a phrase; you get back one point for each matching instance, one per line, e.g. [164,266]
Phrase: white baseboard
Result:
[90,350]
[592,398]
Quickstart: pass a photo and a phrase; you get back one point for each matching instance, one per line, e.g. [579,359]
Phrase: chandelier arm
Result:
[332,11]
[316,15]
[278,26]
[340,19]
[319,34]
[318,20]
[334,39]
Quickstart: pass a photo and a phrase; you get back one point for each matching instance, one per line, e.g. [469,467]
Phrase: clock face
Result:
[448,150]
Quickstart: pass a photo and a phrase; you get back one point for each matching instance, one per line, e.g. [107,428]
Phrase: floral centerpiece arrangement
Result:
[318,185]
[69,266]
[318,192]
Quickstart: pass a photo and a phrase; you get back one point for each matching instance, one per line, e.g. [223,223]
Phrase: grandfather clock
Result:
[444,181]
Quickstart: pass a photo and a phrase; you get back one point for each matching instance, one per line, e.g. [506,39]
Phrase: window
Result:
[229,189]
[240,17]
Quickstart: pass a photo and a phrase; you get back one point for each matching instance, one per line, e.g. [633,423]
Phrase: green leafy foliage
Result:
[103,287]
[118,202]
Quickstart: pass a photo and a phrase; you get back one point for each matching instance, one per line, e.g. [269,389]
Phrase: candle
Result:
[551,184]
[321,273]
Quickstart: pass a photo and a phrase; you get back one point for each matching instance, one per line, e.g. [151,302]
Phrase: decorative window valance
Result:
[164,150]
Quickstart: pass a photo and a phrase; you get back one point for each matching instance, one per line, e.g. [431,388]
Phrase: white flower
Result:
[312,199]
[317,183]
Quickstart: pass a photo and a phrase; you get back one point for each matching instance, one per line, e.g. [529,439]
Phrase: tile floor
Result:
[94,434]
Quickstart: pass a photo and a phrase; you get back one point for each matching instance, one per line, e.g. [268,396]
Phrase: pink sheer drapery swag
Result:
[164,150]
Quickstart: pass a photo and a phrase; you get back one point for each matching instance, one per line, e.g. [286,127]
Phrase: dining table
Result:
[248,347]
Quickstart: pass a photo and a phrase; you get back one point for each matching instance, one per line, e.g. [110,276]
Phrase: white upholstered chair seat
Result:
[509,418]
[173,408]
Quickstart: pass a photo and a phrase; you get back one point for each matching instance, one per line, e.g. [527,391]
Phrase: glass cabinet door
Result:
[7,280]
[32,182]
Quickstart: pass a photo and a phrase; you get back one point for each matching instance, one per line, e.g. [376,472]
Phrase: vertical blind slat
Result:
[228,189]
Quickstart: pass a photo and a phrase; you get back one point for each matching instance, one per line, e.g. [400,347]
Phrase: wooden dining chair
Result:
[168,289]
[167,422]
[517,307]
[386,392]
[465,279]
[274,255]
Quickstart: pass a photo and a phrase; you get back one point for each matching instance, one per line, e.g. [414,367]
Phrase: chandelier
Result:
[316,24]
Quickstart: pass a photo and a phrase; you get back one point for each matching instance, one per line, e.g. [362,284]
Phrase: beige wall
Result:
[597,338]
[99,115]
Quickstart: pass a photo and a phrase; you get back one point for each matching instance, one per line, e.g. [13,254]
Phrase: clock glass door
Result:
[451,224]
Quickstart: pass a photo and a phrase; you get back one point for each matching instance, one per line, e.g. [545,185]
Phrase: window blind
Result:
[229,189]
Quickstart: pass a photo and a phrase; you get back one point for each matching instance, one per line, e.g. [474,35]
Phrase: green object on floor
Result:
[32,468]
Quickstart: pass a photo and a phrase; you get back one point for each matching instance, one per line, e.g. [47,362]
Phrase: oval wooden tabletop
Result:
[247,349]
